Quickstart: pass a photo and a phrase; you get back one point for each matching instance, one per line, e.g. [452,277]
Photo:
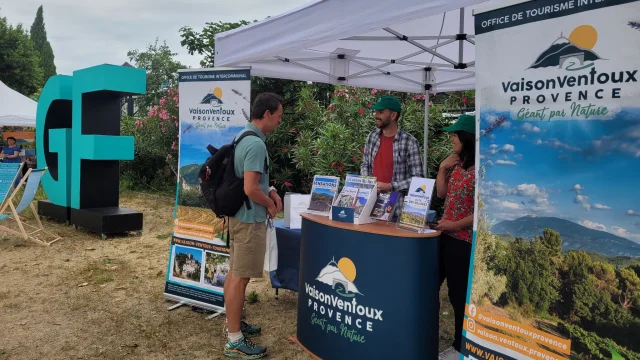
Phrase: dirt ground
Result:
[85,298]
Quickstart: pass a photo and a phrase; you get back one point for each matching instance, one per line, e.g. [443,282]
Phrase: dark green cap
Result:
[387,102]
[465,123]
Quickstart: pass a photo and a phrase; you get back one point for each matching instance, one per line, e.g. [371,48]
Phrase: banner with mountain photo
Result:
[214,108]
[555,270]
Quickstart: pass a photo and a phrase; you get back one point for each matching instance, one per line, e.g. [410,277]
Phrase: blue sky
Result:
[197,254]
[193,143]
[324,191]
[583,171]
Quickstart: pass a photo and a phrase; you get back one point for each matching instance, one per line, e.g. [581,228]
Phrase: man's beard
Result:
[383,124]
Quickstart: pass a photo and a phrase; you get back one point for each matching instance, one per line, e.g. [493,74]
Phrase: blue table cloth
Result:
[286,275]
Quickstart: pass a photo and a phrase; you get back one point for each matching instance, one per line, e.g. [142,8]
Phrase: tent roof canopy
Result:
[409,45]
[16,109]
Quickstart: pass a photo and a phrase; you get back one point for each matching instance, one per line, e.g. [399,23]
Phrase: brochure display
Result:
[415,210]
[323,194]
[356,200]
[350,302]
[556,244]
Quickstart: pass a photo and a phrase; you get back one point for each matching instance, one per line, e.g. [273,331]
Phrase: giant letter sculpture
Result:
[78,139]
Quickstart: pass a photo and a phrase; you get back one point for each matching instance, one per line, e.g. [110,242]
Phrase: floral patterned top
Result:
[460,200]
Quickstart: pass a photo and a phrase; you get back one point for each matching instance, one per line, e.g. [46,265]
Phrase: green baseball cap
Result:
[465,123]
[387,102]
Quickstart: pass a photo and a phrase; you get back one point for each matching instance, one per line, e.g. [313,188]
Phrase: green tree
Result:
[531,280]
[19,61]
[204,43]
[485,282]
[606,280]
[630,289]
[42,45]
[551,241]
[162,72]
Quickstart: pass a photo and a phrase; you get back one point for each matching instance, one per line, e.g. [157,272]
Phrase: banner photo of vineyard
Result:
[214,107]
[555,270]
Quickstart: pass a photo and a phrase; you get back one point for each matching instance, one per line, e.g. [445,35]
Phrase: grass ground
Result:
[84,298]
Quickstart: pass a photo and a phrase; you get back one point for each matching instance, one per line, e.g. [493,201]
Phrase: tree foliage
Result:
[162,72]
[19,61]
[41,43]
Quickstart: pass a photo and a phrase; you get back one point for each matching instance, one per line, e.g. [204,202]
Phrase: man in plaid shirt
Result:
[390,154]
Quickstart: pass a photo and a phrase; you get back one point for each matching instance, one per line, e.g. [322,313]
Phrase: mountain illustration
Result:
[331,275]
[561,48]
[211,99]
[574,236]
[190,173]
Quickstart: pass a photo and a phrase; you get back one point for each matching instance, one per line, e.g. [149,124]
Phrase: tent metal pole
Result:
[425,146]
[460,44]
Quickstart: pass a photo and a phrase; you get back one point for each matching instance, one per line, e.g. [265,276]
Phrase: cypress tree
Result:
[42,45]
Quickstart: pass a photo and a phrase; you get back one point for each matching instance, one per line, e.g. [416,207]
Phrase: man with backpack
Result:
[248,228]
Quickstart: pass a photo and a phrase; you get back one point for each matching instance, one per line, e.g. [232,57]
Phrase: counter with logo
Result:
[367,291]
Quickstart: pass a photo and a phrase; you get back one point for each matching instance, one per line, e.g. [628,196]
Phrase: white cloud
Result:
[577,188]
[622,232]
[518,157]
[505,162]
[508,148]
[482,157]
[493,189]
[625,142]
[601,207]
[593,225]
[509,205]
[632,213]
[582,200]
[530,128]
[493,147]
[557,144]
[489,163]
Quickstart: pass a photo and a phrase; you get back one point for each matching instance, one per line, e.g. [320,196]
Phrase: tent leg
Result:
[426,132]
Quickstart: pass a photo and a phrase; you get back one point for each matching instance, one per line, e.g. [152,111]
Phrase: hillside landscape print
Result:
[558,236]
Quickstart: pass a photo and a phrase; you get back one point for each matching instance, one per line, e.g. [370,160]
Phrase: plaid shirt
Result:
[407,161]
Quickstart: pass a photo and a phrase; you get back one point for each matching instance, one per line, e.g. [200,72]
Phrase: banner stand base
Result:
[173,307]
[215,315]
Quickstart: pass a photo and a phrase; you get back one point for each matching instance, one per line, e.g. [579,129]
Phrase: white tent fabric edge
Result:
[16,109]
[417,46]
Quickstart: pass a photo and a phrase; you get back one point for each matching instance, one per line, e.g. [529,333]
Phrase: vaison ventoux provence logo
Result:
[213,108]
[573,54]
[342,307]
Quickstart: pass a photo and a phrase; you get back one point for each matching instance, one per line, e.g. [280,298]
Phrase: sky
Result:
[583,171]
[89,33]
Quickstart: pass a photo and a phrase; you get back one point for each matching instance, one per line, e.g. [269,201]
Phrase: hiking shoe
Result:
[247,330]
[244,349]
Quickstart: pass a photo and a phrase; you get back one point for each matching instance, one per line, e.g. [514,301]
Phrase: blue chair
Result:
[32,179]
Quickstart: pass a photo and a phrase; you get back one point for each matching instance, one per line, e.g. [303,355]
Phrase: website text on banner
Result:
[214,107]
[556,252]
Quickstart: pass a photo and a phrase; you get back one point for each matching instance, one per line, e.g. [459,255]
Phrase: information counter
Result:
[367,291]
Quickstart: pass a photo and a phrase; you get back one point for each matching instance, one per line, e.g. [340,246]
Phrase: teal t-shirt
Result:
[251,155]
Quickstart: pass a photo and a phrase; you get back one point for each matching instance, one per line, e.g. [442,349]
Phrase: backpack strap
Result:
[247,202]
[244,135]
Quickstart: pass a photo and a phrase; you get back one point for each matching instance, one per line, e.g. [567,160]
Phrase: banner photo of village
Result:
[214,108]
[556,263]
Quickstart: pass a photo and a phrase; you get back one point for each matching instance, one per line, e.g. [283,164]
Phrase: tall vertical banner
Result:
[556,255]
[214,107]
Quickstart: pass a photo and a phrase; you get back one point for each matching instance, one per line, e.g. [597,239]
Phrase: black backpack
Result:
[221,188]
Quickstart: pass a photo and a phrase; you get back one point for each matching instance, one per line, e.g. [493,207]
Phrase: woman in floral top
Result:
[456,182]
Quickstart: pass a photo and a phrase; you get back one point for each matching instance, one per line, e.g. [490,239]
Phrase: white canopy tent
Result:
[16,109]
[417,46]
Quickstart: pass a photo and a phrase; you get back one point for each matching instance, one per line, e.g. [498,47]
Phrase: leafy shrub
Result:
[590,345]
[156,147]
